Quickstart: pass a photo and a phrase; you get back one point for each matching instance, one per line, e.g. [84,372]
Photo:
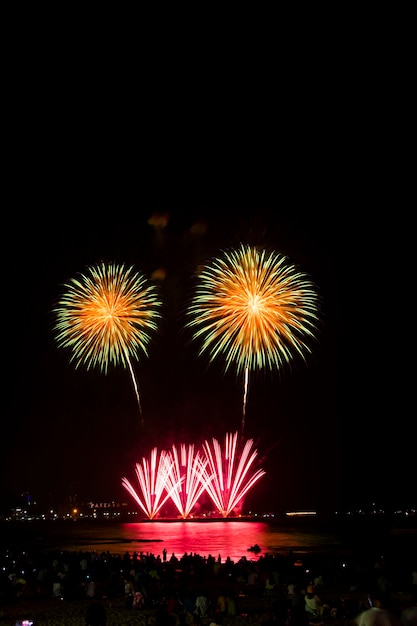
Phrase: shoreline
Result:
[352,539]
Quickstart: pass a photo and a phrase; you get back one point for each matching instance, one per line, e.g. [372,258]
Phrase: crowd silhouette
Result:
[192,589]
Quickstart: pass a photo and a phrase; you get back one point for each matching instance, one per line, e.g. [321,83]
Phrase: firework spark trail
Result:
[107,317]
[135,386]
[245,398]
[152,478]
[230,473]
[188,480]
[255,309]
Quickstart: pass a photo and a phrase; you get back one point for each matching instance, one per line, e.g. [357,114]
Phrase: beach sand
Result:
[57,612]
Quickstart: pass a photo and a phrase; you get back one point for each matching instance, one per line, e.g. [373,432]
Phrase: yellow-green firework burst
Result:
[254,308]
[107,316]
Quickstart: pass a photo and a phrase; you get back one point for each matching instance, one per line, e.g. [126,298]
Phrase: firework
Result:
[188,478]
[230,472]
[106,317]
[184,477]
[152,476]
[255,309]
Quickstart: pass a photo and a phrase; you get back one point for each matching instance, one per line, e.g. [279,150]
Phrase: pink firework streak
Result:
[229,473]
[152,476]
[187,479]
[183,477]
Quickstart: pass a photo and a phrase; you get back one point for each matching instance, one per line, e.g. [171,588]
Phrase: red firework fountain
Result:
[231,476]
[184,477]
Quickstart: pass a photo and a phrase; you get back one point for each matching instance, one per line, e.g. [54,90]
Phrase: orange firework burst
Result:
[107,316]
[254,308]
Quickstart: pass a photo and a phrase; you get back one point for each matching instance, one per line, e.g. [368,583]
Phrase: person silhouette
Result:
[377,614]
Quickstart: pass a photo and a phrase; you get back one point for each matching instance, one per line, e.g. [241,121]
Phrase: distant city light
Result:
[300,513]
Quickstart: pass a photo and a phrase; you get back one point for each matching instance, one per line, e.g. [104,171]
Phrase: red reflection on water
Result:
[227,538]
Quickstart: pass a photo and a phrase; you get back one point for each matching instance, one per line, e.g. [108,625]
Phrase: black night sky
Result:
[320,183]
